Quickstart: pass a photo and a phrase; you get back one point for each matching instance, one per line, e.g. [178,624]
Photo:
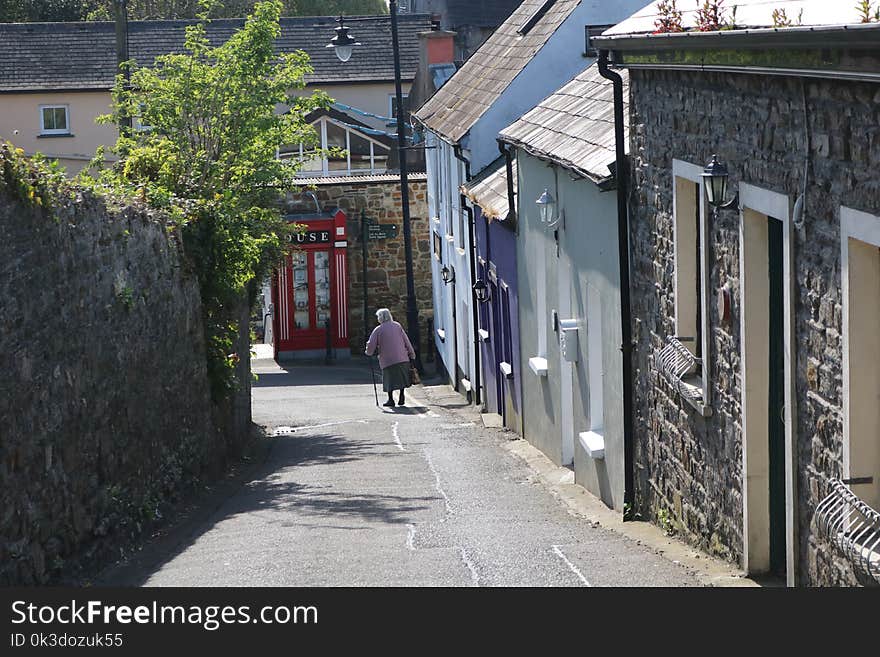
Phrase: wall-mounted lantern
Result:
[343,42]
[447,274]
[715,177]
[546,206]
[481,291]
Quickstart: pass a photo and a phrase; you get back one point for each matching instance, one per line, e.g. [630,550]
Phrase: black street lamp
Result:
[342,44]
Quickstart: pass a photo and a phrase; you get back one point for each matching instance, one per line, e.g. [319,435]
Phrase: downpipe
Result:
[626,348]
[475,312]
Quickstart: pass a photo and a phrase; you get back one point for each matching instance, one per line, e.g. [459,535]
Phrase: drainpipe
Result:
[622,175]
[475,316]
[475,311]
[508,163]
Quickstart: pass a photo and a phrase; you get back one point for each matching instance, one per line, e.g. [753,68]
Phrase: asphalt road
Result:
[354,495]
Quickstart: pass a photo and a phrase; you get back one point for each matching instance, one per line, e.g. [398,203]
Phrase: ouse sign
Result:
[311,237]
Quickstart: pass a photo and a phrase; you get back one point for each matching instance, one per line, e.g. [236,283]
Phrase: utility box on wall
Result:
[568,339]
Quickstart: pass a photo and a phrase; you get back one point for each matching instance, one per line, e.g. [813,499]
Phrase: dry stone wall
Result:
[105,411]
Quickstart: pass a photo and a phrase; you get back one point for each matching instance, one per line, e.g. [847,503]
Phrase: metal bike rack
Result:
[851,526]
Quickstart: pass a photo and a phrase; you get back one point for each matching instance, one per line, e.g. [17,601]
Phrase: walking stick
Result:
[373,375]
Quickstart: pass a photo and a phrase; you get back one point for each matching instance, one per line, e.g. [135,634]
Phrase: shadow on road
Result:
[272,486]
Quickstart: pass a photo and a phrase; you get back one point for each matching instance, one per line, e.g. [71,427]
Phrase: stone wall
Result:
[689,468]
[105,413]
[386,262]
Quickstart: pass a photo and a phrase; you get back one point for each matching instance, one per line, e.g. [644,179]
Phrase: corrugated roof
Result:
[489,189]
[749,13]
[457,106]
[574,126]
[56,56]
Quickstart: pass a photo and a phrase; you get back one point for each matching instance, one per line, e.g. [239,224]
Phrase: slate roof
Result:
[489,189]
[574,126]
[59,56]
[459,104]
[485,13]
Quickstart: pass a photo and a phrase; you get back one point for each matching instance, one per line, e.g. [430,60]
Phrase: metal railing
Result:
[851,526]
[675,361]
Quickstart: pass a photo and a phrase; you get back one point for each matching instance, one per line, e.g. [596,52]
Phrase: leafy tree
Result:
[208,159]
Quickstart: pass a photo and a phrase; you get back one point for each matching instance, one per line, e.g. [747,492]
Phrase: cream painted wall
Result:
[22,112]
[369,97]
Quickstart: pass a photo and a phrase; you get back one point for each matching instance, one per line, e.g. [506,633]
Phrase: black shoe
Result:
[389,403]
[401,401]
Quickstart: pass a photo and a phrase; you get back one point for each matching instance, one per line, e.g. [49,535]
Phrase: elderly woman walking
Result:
[390,341]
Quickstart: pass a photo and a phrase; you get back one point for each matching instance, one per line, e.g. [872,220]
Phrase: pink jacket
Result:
[390,341]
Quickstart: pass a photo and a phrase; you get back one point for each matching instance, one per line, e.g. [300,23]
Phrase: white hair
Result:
[383,315]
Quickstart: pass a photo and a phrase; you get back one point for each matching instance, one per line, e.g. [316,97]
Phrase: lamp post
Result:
[342,44]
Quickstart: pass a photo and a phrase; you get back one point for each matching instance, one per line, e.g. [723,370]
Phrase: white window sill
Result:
[441,334]
[538,365]
[694,387]
[484,335]
[506,369]
[461,251]
[593,443]
[450,238]
[466,384]
[436,220]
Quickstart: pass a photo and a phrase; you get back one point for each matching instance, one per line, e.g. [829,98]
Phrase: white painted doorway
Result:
[768,403]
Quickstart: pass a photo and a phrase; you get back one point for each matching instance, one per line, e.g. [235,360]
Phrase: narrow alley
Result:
[351,494]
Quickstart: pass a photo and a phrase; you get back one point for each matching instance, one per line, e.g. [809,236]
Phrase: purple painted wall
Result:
[496,253]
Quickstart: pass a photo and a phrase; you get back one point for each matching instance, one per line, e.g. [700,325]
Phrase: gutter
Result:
[626,347]
[463,202]
[865,35]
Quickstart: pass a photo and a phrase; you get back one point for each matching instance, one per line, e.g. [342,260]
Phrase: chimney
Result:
[436,46]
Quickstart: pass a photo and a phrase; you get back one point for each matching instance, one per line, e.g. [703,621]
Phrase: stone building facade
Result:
[379,198]
[689,471]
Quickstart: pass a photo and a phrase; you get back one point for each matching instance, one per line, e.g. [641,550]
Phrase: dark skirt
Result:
[396,377]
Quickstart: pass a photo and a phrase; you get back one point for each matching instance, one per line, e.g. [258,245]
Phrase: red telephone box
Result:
[310,293]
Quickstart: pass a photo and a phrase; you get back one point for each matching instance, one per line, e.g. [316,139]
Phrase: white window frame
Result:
[55,131]
[391,98]
[865,228]
[684,275]
[320,126]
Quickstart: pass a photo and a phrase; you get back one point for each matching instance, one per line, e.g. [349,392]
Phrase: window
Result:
[137,122]
[392,107]
[860,250]
[691,320]
[54,120]
[355,153]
